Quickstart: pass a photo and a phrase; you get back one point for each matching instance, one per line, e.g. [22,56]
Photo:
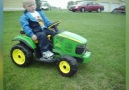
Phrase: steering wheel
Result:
[54,24]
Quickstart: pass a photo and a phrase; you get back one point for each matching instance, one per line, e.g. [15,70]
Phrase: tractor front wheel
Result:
[67,66]
[21,55]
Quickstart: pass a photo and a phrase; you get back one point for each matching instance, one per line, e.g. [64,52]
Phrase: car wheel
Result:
[114,11]
[67,66]
[21,55]
[82,10]
[99,10]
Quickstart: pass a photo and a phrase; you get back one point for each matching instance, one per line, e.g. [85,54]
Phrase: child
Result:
[35,23]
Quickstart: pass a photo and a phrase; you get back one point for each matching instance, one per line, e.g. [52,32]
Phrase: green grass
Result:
[105,33]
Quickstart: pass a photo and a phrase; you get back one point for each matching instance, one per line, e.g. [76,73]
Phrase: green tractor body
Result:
[67,43]
[26,40]
[68,48]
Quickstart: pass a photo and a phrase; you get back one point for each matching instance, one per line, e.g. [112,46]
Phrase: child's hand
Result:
[34,37]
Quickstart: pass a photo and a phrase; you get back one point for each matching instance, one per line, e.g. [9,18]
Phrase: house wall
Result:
[12,5]
[109,5]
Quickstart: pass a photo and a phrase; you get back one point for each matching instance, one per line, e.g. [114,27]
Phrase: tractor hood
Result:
[73,37]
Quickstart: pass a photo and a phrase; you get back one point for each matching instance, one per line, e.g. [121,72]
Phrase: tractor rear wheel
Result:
[67,66]
[21,55]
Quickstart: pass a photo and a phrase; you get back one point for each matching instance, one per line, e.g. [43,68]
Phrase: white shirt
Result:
[37,16]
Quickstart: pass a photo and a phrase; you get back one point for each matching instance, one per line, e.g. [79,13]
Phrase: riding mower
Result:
[68,48]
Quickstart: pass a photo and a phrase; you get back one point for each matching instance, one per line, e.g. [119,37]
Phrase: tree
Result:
[70,3]
[38,3]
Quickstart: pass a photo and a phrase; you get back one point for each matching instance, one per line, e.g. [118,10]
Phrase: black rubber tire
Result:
[82,9]
[24,50]
[72,64]
[114,11]
[99,10]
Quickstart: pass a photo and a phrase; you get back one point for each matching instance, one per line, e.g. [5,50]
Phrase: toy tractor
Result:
[68,49]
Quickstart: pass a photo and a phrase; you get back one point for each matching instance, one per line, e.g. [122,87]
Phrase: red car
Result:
[87,6]
[121,9]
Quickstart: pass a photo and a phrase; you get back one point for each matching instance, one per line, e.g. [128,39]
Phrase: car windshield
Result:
[95,3]
[122,7]
[87,3]
[81,3]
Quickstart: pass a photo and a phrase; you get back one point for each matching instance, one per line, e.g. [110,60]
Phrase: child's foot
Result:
[47,54]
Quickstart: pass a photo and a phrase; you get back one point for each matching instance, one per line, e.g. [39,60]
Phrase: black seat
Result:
[22,32]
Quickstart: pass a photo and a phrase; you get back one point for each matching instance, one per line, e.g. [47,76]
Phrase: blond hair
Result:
[27,1]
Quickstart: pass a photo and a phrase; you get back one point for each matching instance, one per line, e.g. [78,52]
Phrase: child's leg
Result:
[43,41]
[50,32]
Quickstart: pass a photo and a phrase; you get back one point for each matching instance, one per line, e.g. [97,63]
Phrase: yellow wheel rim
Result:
[18,56]
[64,67]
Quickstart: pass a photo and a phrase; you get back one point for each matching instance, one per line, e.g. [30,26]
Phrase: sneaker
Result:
[47,54]
[51,54]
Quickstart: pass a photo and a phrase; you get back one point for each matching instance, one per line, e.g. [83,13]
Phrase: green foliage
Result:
[70,3]
[38,3]
[105,33]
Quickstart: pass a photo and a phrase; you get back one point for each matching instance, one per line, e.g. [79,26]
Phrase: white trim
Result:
[13,9]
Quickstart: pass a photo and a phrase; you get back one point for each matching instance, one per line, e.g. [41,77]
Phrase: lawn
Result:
[105,33]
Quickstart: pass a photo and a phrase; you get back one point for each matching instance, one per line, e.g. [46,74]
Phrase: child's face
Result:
[30,6]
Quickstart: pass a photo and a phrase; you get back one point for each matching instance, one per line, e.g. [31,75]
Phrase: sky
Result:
[59,3]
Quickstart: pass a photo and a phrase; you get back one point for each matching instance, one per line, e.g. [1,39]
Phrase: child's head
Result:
[29,5]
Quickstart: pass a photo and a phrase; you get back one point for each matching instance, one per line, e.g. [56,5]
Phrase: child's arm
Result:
[25,25]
